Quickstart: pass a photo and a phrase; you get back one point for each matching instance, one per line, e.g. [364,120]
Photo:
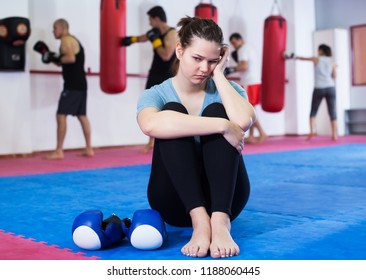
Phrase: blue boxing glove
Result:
[91,232]
[147,230]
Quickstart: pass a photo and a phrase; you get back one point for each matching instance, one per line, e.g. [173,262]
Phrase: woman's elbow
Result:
[145,125]
[248,121]
[146,128]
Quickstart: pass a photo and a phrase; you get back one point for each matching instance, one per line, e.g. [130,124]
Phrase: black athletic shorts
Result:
[72,102]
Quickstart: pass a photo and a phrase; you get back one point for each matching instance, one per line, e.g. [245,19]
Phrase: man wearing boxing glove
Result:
[248,68]
[47,55]
[163,38]
[73,97]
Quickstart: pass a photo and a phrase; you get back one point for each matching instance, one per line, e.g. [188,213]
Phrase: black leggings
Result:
[330,96]
[185,175]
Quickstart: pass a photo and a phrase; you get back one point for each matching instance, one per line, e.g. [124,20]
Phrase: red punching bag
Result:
[206,10]
[273,64]
[112,55]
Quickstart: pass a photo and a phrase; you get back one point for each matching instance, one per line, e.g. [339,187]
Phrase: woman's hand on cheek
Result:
[224,58]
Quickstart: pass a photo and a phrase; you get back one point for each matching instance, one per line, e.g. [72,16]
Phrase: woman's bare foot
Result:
[149,147]
[310,136]
[262,138]
[199,244]
[250,140]
[334,137]
[55,155]
[222,244]
[88,152]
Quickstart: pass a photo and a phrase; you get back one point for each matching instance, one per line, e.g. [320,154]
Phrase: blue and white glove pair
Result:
[146,230]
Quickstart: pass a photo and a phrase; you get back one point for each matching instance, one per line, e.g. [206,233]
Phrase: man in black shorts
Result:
[74,95]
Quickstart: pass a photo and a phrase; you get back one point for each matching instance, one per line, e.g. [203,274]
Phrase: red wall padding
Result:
[273,64]
[206,10]
[112,55]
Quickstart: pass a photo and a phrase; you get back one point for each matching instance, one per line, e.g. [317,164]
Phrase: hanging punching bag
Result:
[112,54]
[273,64]
[206,10]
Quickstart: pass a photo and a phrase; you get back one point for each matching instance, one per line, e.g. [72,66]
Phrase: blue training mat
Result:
[304,205]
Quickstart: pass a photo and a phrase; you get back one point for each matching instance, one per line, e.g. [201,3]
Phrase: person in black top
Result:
[163,39]
[74,94]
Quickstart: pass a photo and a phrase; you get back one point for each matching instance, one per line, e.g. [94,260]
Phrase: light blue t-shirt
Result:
[323,73]
[158,95]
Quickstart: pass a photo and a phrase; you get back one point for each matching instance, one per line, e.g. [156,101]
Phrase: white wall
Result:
[112,117]
[15,122]
[301,21]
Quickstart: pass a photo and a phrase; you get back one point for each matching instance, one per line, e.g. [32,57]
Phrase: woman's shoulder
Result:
[162,87]
[325,58]
[156,96]
[163,91]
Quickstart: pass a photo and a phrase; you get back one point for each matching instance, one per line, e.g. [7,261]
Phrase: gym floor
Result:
[307,202]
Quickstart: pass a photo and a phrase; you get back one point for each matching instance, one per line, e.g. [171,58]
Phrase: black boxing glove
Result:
[48,57]
[126,41]
[229,70]
[154,36]
[41,47]
[234,55]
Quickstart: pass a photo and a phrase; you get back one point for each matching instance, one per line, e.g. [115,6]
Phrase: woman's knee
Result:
[175,106]
[215,110]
